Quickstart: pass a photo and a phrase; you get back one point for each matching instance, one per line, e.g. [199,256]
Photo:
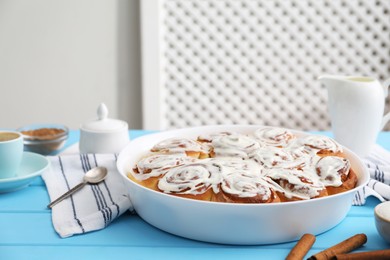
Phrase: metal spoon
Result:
[93,176]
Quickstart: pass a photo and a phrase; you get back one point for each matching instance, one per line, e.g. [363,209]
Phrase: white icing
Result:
[179,145]
[193,178]
[245,184]
[210,137]
[296,187]
[156,164]
[331,168]
[271,157]
[235,145]
[234,164]
[274,136]
[319,143]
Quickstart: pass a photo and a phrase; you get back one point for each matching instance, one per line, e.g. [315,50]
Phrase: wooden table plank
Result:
[139,253]
[129,230]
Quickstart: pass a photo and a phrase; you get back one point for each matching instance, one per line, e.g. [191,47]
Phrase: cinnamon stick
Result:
[302,247]
[377,255]
[341,248]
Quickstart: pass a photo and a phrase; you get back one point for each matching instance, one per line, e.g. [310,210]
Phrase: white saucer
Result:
[32,166]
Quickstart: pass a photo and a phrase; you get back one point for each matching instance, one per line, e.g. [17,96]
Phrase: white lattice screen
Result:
[256,61]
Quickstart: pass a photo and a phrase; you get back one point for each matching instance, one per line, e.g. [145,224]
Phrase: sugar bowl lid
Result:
[104,124]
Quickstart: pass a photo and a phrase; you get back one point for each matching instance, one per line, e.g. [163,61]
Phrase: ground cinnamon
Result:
[302,247]
[43,133]
[377,255]
[342,248]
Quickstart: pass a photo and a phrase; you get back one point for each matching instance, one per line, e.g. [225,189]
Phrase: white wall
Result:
[60,58]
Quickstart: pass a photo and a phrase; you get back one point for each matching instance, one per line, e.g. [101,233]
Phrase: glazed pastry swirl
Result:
[274,136]
[302,151]
[211,137]
[157,164]
[236,145]
[243,182]
[272,157]
[193,178]
[179,145]
[332,170]
[244,186]
[295,183]
[234,164]
[322,144]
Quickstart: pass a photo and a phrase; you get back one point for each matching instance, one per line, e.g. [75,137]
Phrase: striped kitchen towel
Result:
[378,164]
[93,207]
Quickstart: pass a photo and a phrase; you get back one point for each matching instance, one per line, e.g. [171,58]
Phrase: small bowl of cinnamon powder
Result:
[44,138]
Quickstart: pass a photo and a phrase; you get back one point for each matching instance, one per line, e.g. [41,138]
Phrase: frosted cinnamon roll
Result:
[148,170]
[237,145]
[195,180]
[245,187]
[322,145]
[299,151]
[236,164]
[274,136]
[179,145]
[209,137]
[272,157]
[336,174]
[296,185]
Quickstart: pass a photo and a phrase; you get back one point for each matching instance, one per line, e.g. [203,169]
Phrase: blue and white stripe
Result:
[93,207]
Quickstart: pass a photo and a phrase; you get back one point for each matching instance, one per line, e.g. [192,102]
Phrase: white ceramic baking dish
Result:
[230,223]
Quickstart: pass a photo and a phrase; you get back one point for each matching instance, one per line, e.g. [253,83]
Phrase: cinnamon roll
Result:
[209,137]
[195,180]
[274,136]
[148,170]
[245,187]
[296,185]
[235,145]
[322,145]
[336,174]
[272,157]
[236,164]
[179,145]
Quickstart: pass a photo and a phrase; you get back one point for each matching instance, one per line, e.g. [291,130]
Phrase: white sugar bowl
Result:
[103,135]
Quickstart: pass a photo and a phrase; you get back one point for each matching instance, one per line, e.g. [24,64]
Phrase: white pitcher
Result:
[356,105]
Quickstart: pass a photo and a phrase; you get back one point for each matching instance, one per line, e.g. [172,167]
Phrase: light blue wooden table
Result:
[26,232]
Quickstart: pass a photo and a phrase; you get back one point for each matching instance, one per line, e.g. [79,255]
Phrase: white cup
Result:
[356,106]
